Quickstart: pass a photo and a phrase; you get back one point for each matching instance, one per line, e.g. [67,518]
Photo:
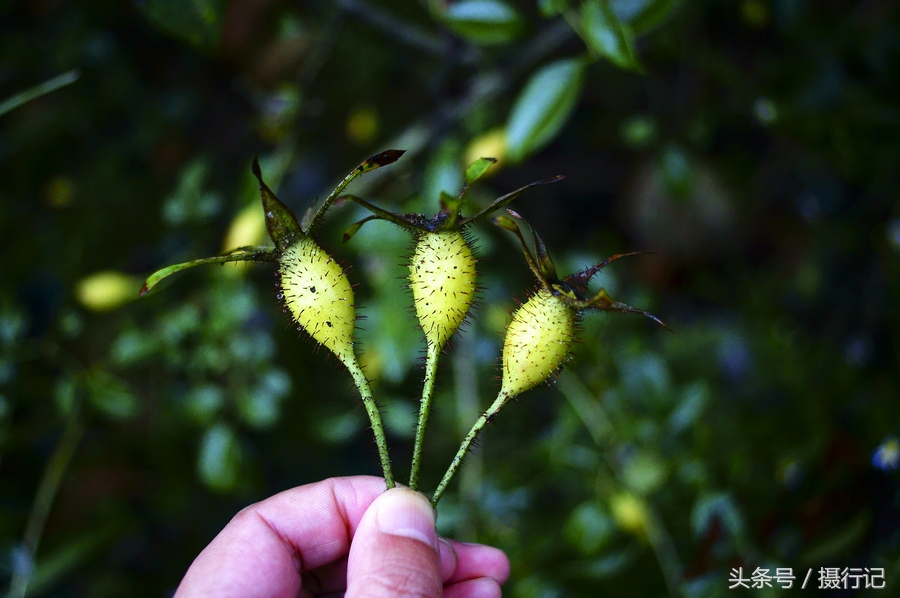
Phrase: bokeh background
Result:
[754,144]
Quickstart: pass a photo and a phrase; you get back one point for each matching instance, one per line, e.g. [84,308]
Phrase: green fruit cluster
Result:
[442,279]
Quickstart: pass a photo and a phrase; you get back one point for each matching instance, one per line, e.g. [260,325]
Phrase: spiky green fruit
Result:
[442,279]
[319,296]
[537,342]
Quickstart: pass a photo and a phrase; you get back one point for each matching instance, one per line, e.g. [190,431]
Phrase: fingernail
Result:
[409,514]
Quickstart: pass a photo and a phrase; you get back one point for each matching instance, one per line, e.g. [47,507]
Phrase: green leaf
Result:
[606,36]
[261,406]
[134,345]
[450,205]
[65,394]
[400,418]
[693,401]
[13,325]
[220,457]
[197,22]
[339,429]
[354,228]
[257,255]
[543,107]
[483,22]
[203,403]
[716,506]
[111,396]
[642,15]
[507,223]
[638,132]
[551,8]
[590,527]
[477,169]
[644,473]
[259,410]
[190,202]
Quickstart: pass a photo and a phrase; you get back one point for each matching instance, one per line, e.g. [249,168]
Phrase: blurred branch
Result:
[406,33]
[320,52]
[465,382]
[547,40]
[33,349]
[586,407]
[483,88]
[38,90]
[46,495]
[487,86]
[598,424]
[664,549]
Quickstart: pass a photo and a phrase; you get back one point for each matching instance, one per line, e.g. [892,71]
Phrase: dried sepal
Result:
[505,199]
[509,224]
[542,329]
[314,286]
[580,280]
[281,223]
[442,268]
[603,302]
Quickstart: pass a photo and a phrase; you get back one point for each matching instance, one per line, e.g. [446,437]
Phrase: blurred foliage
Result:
[753,144]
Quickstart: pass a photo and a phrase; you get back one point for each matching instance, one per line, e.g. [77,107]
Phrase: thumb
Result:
[395,551]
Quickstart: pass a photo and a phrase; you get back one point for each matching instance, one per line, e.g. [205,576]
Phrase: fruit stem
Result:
[498,403]
[431,362]
[362,383]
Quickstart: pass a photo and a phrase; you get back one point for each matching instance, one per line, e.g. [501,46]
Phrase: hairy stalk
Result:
[487,416]
[362,383]
[431,362]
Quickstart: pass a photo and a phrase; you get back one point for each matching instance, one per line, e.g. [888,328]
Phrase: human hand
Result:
[342,535]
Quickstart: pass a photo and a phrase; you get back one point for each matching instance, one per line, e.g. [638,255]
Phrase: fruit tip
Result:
[386,157]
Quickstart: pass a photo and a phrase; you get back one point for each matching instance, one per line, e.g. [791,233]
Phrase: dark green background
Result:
[757,150]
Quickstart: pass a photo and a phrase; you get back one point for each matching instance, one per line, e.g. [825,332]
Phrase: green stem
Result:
[431,362]
[362,383]
[487,416]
